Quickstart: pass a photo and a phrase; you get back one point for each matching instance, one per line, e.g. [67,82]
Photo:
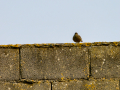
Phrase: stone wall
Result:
[68,66]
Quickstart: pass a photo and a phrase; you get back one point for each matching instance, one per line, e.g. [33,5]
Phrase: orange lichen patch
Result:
[32,81]
[62,78]
[61,74]
[39,82]
[28,44]
[66,43]
[87,76]
[88,44]
[115,43]
[90,86]
[80,44]
[103,78]
[10,45]
[77,44]
[73,44]
[38,45]
[16,45]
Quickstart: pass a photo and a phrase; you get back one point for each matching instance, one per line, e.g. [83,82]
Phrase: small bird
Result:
[77,38]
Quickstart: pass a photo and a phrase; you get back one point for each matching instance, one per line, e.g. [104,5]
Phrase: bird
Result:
[77,38]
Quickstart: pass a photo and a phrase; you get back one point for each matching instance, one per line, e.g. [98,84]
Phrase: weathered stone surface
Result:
[86,85]
[9,64]
[54,63]
[25,86]
[105,62]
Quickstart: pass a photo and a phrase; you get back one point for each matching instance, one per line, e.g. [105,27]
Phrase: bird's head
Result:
[76,33]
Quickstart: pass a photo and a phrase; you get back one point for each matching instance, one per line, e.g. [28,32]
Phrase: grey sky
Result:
[56,21]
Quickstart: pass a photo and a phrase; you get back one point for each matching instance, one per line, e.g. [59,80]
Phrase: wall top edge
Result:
[84,44]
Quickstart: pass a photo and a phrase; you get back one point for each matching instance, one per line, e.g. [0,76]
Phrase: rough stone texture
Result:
[9,64]
[86,85]
[62,64]
[105,62]
[54,63]
[24,86]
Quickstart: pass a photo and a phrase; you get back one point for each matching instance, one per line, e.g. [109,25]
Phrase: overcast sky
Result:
[56,21]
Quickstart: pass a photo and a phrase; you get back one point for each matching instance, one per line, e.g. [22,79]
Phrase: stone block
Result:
[105,62]
[54,63]
[25,86]
[9,64]
[86,85]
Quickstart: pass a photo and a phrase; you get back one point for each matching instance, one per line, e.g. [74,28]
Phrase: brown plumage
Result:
[77,38]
